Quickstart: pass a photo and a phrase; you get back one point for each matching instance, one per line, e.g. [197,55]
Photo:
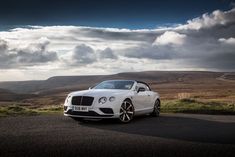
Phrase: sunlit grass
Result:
[195,106]
[17,110]
[185,105]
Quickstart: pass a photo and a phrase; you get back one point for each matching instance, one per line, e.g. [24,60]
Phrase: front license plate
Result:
[80,108]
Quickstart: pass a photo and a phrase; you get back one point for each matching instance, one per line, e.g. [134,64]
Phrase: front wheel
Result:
[156,109]
[126,111]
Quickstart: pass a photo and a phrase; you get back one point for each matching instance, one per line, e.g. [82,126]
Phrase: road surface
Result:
[169,135]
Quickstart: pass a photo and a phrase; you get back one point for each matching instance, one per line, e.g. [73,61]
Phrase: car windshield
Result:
[125,85]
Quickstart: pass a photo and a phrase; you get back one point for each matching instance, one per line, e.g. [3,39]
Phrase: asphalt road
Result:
[169,135]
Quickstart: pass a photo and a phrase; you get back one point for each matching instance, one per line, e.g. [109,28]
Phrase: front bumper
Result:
[96,110]
[89,114]
[109,110]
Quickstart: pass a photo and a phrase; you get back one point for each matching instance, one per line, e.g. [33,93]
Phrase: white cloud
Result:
[35,53]
[170,37]
[230,41]
[217,17]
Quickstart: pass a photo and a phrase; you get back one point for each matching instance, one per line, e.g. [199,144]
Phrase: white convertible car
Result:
[120,99]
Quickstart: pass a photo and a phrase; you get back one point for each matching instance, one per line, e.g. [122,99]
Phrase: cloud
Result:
[170,37]
[217,17]
[149,51]
[206,42]
[83,54]
[33,54]
[3,46]
[107,53]
[230,41]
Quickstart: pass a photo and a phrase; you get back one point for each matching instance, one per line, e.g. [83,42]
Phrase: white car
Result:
[120,99]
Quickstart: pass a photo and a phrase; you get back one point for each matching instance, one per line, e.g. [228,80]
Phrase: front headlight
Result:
[102,100]
[112,98]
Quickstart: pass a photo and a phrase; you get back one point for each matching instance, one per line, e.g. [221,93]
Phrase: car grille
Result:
[82,100]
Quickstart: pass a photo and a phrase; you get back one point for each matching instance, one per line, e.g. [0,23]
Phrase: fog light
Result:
[65,108]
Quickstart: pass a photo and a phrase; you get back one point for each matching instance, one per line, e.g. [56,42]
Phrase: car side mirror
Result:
[90,88]
[140,89]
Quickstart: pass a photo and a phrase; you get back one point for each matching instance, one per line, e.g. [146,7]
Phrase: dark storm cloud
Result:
[83,54]
[117,34]
[22,57]
[150,52]
[3,46]
[222,62]
[107,53]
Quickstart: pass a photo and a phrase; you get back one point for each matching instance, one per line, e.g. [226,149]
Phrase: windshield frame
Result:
[132,85]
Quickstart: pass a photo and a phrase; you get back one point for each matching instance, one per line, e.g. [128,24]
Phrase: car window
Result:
[126,85]
[142,85]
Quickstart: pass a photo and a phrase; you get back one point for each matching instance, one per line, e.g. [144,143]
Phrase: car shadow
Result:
[172,127]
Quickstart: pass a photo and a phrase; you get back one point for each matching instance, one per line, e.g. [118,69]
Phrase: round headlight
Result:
[102,100]
[112,98]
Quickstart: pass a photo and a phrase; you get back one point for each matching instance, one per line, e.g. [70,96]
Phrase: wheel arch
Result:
[133,109]
[158,99]
[129,99]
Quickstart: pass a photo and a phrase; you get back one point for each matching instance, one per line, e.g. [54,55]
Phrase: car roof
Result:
[143,83]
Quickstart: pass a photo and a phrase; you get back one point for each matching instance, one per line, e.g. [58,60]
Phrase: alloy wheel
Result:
[126,112]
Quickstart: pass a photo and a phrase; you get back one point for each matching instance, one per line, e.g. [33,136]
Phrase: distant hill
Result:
[67,83]
[6,95]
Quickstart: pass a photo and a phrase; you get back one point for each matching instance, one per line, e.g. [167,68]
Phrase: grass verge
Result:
[17,110]
[194,106]
[167,106]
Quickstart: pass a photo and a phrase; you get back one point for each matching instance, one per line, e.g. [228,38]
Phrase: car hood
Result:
[99,92]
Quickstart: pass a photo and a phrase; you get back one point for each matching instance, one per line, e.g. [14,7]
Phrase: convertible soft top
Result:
[143,83]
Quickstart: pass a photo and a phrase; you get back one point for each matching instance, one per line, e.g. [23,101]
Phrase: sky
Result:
[40,39]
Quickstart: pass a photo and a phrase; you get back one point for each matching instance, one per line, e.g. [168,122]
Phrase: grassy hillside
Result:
[7,95]
[80,82]
[203,88]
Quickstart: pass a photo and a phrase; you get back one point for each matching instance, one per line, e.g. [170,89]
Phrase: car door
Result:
[140,99]
[150,98]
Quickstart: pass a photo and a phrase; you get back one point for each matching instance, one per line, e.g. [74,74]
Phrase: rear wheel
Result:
[126,111]
[156,109]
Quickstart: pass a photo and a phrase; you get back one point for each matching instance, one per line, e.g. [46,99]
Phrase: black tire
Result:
[156,109]
[127,111]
